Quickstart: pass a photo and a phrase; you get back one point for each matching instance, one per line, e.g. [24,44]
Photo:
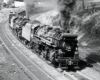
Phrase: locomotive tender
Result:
[52,43]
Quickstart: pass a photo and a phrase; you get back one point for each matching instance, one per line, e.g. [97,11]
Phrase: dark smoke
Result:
[65,8]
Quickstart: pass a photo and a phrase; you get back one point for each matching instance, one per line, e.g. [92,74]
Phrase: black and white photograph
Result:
[49,39]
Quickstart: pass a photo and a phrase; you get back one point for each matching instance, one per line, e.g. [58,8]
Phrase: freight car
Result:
[52,43]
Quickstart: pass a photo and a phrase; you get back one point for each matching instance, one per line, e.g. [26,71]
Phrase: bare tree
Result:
[65,8]
[93,5]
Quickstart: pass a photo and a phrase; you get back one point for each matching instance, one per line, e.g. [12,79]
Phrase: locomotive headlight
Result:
[76,54]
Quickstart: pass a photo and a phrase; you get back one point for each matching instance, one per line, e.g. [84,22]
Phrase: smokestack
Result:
[65,8]
[29,6]
[26,7]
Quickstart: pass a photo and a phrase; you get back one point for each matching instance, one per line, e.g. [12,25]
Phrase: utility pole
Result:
[83,4]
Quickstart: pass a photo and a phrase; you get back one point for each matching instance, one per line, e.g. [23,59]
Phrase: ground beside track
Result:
[9,70]
[34,60]
[5,16]
[85,52]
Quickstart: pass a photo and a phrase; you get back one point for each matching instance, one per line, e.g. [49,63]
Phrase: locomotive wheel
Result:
[43,53]
[51,56]
[59,65]
[53,60]
[29,45]
[25,42]
[77,67]
[18,35]
[22,41]
[15,32]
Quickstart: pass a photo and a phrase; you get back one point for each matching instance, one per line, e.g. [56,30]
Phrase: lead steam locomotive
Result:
[52,43]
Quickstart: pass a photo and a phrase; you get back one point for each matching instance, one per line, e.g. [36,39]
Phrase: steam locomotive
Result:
[52,43]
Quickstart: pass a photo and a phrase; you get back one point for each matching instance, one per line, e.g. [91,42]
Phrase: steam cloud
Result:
[65,8]
[28,8]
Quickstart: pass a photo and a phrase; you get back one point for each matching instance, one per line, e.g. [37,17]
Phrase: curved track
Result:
[35,71]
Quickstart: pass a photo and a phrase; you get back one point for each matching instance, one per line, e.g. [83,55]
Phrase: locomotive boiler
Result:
[53,43]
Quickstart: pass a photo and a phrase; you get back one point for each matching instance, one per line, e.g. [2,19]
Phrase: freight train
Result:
[52,43]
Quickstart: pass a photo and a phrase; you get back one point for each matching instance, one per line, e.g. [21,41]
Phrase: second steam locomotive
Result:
[52,43]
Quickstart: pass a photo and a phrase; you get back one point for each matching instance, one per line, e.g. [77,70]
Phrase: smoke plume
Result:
[65,8]
[29,4]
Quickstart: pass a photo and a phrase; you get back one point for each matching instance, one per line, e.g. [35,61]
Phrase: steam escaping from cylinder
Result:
[65,8]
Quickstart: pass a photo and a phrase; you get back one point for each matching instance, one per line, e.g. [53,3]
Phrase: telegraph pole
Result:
[83,4]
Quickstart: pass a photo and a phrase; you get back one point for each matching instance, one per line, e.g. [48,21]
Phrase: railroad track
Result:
[90,60]
[95,64]
[79,75]
[12,45]
[43,72]
[93,60]
[71,75]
